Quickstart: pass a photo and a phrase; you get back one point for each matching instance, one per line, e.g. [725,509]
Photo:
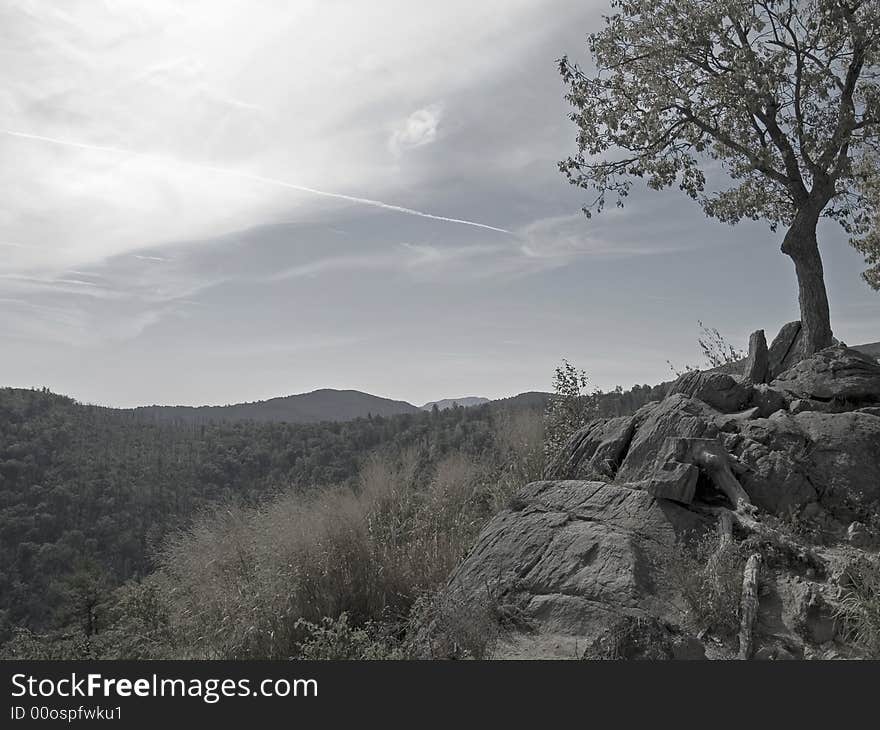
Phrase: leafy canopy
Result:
[781,94]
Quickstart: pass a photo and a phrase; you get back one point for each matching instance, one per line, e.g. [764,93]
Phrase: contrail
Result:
[262,179]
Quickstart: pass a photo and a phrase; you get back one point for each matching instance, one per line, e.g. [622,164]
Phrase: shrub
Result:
[520,442]
[708,579]
[453,625]
[570,408]
[240,580]
[717,351]
[58,646]
[338,639]
[859,605]
[632,637]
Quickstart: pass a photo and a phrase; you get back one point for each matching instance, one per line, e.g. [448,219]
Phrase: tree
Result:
[570,407]
[782,93]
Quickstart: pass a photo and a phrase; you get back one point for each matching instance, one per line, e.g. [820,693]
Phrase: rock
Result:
[870,410]
[757,366]
[718,390]
[767,400]
[858,535]
[688,648]
[634,638]
[677,415]
[841,454]
[773,653]
[672,480]
[793,460]
[802,405]
[813,616]
[784,461]
[786,348]
[731,422]
[590,450]
[575,558]
[837,373]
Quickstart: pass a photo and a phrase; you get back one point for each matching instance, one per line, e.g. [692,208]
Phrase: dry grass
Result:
[708,580]
[859,606]
[520,441]
[240,580]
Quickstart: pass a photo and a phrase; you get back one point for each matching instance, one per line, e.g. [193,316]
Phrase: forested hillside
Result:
[88,489]
[314,407]
[89,494]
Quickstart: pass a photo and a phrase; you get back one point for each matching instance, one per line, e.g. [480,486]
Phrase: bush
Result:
[859,606]
[240,580]
[520,443]
[58,646]
[717,352]
[630,638]
[337,639]
[452,625]
[708,579]
[570,408]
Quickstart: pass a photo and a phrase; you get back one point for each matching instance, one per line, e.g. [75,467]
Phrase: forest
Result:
[94,500]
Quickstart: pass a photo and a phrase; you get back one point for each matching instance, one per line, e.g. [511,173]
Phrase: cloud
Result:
[154,259]
[636,231]
[417,130]
[308,92]
[416,259]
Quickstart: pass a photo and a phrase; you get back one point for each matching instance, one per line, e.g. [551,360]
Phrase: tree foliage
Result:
[781,94]
[570,408]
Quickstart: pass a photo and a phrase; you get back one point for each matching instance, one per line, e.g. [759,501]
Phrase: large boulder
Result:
[757,365]
[572,557]
[595,451]
[835,373]
[794,459]
[677,415]
[844,452]
[718,390]
[768,400]
[786,348]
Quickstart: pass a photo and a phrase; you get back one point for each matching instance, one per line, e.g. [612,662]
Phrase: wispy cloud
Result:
[163,119]
[260,179]
[155,259]
[419,259]
[417,130]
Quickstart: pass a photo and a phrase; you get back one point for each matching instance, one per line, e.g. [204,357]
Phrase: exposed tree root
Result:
[712,458]
[749,605]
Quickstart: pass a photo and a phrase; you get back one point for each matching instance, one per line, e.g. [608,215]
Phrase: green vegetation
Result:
[239,582]
[781,96]
[859,605]
[707,576]
[125,538]
[92,492]
[571,407]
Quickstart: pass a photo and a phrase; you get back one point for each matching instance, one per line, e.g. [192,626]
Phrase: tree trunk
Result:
[801,246]
[749,606]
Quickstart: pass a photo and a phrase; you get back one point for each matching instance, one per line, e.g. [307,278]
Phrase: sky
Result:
[218,201]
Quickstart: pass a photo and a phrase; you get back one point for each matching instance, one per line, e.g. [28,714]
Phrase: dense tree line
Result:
[87,493]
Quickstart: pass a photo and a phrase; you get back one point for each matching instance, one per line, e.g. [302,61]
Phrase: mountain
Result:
[466,402]
[314,407]
[872,349]
[529,400]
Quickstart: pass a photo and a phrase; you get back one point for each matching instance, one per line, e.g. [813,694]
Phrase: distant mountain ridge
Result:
[319,405]
[872,349]
[465,402]
[328,404]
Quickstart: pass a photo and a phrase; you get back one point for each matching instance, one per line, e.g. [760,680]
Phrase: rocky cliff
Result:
[778,464]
